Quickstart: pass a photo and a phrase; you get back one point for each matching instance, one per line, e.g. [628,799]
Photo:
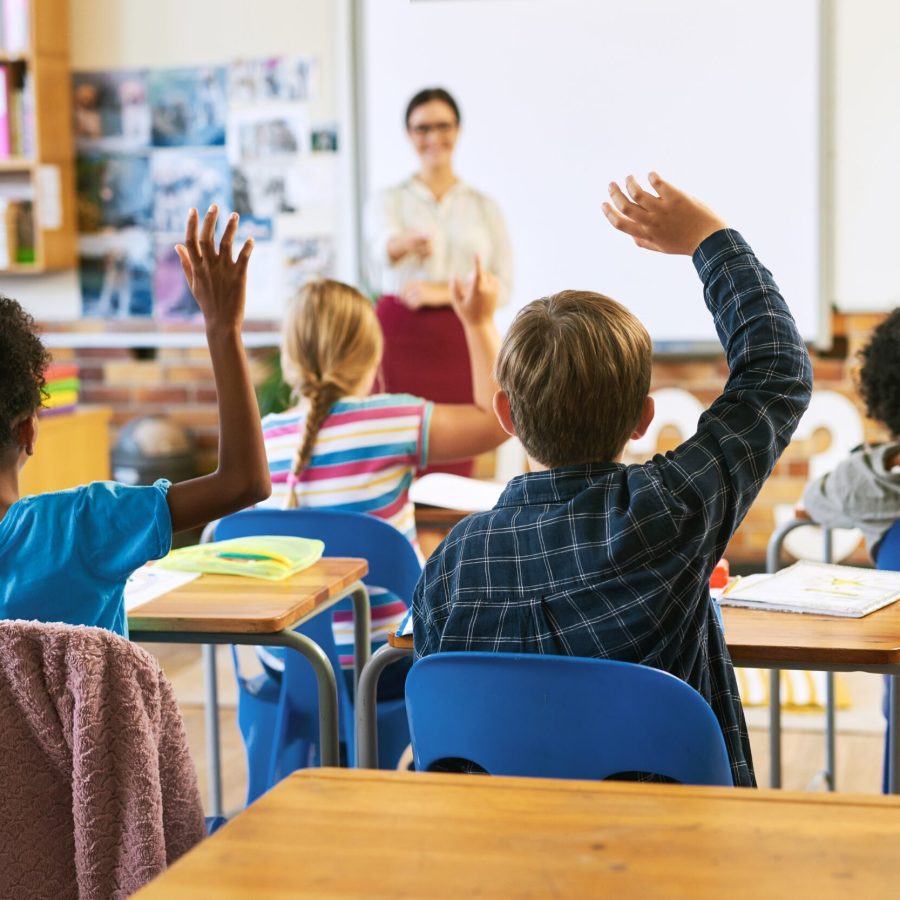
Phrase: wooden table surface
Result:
[772,637]
[754,635]
[232,604]
[354,833]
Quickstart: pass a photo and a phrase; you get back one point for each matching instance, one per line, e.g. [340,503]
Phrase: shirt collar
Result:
[417,187]
[555,485]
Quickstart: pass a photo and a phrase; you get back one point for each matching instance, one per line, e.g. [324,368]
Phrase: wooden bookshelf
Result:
[47,175]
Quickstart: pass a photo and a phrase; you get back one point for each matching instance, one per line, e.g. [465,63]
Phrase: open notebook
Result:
[455,492]
[821,588]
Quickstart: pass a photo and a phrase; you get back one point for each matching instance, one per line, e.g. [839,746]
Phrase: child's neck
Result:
[9,488]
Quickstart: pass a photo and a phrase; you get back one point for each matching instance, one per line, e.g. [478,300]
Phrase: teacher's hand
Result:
[416,294]
[475,300]
[409,243]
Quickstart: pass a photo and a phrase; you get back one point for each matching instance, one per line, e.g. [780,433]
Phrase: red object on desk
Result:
[720,574]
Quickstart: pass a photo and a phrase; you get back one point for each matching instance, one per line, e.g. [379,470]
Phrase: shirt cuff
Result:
[723,244]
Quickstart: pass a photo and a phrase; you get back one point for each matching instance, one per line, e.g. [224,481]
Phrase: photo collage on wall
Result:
[153,143]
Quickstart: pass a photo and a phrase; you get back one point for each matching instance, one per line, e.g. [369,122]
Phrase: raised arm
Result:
[219,285]
[462,430]
[721,469]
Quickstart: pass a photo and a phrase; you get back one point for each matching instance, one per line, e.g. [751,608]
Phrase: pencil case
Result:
[271,557]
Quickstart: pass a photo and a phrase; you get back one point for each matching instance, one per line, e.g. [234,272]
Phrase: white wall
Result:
[867,151]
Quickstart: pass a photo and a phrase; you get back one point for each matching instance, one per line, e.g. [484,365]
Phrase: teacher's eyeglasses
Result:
[437,127]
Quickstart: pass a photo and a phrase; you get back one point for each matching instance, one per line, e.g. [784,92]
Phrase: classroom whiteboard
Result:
[559,97]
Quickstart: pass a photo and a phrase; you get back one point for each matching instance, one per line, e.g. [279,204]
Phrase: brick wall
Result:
[178,383]
[832,371]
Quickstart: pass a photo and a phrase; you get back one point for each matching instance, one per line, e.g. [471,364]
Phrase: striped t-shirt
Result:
[364,459]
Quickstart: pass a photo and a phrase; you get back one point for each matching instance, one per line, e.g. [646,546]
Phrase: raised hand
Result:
[218,282]
[475,301]
[668,221]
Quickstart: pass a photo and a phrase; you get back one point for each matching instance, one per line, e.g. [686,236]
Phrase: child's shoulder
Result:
[380,405]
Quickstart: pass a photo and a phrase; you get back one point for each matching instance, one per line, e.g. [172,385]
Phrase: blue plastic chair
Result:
[274,750]
[561,717]
[888,558]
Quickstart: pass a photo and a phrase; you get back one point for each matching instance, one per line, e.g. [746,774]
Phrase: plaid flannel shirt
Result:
[613,561]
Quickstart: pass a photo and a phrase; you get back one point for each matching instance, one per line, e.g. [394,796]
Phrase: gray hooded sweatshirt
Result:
[859,493]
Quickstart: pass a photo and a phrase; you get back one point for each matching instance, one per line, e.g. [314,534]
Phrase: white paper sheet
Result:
[149,582]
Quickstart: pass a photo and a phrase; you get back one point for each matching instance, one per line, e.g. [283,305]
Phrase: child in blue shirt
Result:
[65,556]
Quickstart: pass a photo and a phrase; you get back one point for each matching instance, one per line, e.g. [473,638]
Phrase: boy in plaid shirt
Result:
[585,556]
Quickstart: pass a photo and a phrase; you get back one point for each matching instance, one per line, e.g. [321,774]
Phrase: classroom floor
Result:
[860,744]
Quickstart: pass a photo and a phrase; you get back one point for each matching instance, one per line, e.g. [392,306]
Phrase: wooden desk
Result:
[72,449]
[328,833]
[229,609]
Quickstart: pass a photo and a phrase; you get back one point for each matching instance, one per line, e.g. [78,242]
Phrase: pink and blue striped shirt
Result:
[364,459]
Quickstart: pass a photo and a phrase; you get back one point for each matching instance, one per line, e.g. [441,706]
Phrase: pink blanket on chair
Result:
[98,792]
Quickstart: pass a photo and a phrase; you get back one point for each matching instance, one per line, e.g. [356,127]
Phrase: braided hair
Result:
[330,342]
[23,363]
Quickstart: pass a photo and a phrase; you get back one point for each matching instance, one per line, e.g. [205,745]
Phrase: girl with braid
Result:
[344,448]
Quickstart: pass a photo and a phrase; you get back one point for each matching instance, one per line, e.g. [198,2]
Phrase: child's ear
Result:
[645,419]
[501,409]
[27,434]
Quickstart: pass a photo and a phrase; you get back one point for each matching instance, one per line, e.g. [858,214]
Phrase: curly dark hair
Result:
[23,362]
[879,377]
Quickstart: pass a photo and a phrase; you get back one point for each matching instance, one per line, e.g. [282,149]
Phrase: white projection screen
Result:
[559,97]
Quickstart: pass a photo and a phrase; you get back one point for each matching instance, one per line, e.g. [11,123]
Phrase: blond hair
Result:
[576,369]
[330,342]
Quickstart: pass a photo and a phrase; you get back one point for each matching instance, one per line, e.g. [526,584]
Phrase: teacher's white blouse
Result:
[462,223]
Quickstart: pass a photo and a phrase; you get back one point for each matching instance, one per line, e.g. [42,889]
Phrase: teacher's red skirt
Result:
[425,354]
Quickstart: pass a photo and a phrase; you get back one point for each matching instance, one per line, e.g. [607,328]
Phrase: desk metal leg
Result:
[362,638]
[367,703]
[894,737]
[830,706]
[775,728]
[213,744]
[329,752]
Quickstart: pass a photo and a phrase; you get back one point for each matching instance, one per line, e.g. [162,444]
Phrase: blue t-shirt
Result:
[65,556]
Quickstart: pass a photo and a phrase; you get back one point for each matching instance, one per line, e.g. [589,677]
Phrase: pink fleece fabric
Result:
[98,792]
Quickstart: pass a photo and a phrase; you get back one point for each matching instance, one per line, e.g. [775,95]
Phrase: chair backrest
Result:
[561,717]
[393,564]
[889,549]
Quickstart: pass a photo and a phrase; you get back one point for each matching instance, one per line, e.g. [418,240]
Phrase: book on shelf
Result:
[16,111]
[17,245]
[15,26]
[5,135]
[819,588]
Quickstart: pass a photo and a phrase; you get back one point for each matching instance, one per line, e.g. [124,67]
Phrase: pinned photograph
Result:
[182,180]
[188,107]
[174,300]
[324,139]
[268,133]
[115,271]
[256,81]
[266,190]
[304,258]
[110,110]
[114,191]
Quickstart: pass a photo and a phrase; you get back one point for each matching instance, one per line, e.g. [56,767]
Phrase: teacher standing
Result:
[419,235]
